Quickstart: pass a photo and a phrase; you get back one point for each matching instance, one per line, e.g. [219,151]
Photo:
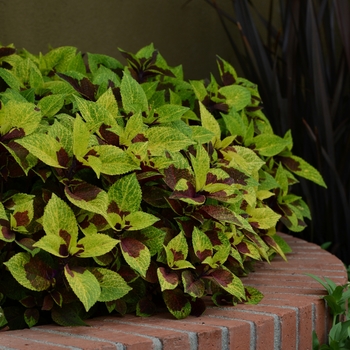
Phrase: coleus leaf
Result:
[253,296]
[177,303]
[31,317]
[23,116]
[210,123]
[145,307]
[51,104]
[81,137]
[263,218]
[201,165]
[5,231]
[193,285]
[95,244]
[109,160]
[300,167]
[219,257]
[269,144]
[22,216]
[44,147]
[133,97]
[139,220]
[169,113]
[84,285]
[236,96]
[167,278]
[67,315]
[87,197]
[271,242]
[202,246]
[136,254]
[163,138]
[10,79]
[227,72]
[113,286]
[30,272]
[126,193]
[228,281]
[234,123]
[60,226]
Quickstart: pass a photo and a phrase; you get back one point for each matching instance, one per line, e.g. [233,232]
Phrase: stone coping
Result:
[291,309]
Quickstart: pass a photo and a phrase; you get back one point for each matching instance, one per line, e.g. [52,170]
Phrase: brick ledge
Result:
[284,319]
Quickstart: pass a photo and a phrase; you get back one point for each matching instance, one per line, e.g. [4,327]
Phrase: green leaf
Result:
[84,285]
[234,123]
[54,245]
[136,254]
[67,315]
[31,317]
[44,147]
[133,97]
[113,286]
[177,303]
[201,134]
[30,272]
[300,167]
[126,193]
[176,249]
[236,96]
[3,320]
[95,244]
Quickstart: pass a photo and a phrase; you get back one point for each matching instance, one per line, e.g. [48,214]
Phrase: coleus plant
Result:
[129,189]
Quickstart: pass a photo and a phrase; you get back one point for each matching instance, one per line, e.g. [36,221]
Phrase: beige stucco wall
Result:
[185,32]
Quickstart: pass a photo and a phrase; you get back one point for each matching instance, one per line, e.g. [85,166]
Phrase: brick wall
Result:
[291,309]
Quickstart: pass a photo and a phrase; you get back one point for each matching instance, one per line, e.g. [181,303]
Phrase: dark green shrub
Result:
[129,189]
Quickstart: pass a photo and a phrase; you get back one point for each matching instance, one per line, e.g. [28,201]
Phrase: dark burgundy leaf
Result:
[221,277]
[197,307]
[83,191]
[145,308]
[22,218]
[169,275]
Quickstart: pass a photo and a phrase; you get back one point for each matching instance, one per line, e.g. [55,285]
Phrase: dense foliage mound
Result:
[128,189]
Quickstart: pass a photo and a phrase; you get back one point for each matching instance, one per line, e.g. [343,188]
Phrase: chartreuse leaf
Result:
[31,316]
[201,135]
[95,244]
[263,218]
[5,232]
[272,243]
[163,138]
[177,303]
[126,193]
[24,116]
[253,296]
[22,216]
[108,101]
[3,320]
[44,147]
[269,144]
[234,123]
[59,220]
[133,97]
[136,254]
[139,220]
[110,160]
[88,197]
[219,257]
[202,246]
[113,286]
[236,96]
[31,273]
[10,79]
[228,281]
[209,122]
[153,238]
[167,278]
[169,113]
[176,252]
[51,104]
[300,167]
[84,285]
[201,166]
